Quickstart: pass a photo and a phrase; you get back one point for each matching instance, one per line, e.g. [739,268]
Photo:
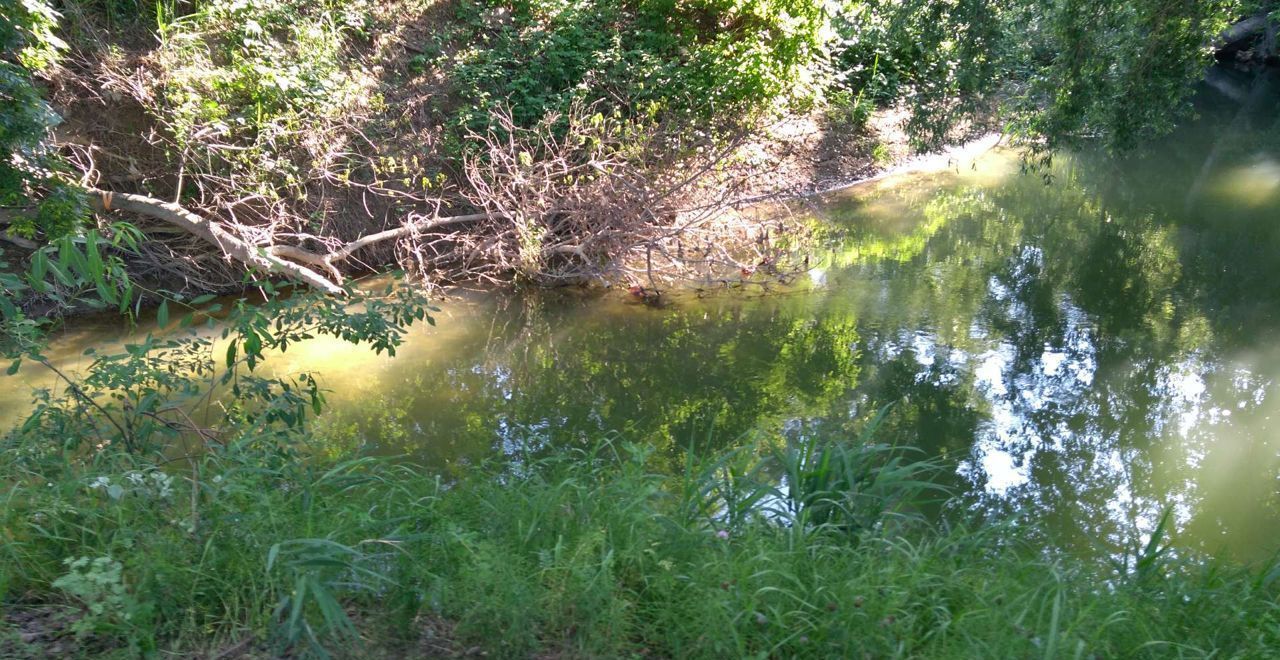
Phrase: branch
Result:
[103,201]
[327,260]
[18,241]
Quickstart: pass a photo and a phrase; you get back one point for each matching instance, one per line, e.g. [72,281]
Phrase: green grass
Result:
[582,553]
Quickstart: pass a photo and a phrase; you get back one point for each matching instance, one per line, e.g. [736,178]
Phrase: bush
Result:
[252,89]
[708,60]
[937,56]
[30,176]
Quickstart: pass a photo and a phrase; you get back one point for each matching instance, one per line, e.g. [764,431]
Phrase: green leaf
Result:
[105,293]
[202,299]
[61,274]
[126,295]
[162,314]
[94,263]
[253,344]
[71,259]
[39,265]
[13,368]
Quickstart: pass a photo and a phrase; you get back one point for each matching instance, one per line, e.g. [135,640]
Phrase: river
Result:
[1087,350]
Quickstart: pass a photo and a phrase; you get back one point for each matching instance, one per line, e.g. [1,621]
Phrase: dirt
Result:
[802,154]
[38,631]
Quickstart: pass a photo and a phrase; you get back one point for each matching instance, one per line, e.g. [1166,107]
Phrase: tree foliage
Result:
[1069,70]
[1118,72]
[29,173]
[937,56]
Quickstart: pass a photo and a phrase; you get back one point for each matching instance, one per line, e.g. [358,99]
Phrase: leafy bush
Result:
[709,60]
[939,57]
[30,176]
[1086,69]
[98,584]
[251,88]
[1120,73]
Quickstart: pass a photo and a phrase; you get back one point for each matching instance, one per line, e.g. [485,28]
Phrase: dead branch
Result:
[585,197]
[329,259]
[104,201]
[18,241]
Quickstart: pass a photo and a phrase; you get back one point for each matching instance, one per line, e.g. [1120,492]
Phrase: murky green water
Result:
[1088,352]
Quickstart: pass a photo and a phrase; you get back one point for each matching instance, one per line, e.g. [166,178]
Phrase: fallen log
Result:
[288,260]
[1246,29]
[104,201]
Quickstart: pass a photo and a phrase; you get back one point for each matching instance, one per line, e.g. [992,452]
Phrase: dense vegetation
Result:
[306,128]
[176,497]
[584,555]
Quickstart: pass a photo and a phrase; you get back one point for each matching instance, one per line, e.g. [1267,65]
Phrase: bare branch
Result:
[104,201]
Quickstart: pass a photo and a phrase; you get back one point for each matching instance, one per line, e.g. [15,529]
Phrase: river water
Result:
[1088,351]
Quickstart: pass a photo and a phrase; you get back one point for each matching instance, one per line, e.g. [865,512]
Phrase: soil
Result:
[804,154]
[38,631]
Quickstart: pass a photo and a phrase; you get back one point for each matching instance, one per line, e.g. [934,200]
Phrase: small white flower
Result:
[100,482]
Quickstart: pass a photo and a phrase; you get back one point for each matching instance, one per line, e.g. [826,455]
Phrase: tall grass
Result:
[761,551]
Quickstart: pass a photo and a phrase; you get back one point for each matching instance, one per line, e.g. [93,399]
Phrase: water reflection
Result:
[1089,352]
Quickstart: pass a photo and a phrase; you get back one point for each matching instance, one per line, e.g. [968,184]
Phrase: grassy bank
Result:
[584,553]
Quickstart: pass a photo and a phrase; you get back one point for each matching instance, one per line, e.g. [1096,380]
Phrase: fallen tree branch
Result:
[328,259]
[104,201]
[18,241]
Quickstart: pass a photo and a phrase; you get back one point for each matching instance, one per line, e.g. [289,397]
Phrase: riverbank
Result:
[795,157]
[462,142]
[580,553]
[995,418]
[493,522]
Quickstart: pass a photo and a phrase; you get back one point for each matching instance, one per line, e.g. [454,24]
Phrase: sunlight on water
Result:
[1253,185]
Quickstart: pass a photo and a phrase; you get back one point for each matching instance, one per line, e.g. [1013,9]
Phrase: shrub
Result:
[708,60]
[253,89]
[937,56]
[30,175]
